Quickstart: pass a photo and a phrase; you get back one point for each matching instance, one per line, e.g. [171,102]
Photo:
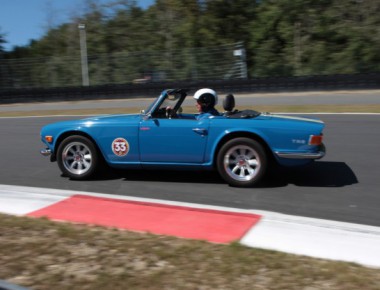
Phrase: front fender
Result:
[56,133]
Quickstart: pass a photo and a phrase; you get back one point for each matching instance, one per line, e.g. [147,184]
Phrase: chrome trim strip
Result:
[297,118]
[293,155]
[45,152]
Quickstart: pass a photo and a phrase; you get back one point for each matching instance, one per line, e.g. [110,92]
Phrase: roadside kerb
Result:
[292,234]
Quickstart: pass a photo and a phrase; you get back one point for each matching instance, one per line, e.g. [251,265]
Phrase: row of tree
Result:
[281,37]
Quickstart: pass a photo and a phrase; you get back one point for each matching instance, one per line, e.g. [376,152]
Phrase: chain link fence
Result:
[220,62]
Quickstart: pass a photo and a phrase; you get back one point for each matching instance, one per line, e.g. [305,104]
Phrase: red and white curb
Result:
[254,228]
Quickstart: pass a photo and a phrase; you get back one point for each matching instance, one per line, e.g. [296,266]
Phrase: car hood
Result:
[62,126]
[111,118]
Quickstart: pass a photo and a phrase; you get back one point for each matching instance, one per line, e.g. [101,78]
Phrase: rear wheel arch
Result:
[249,135]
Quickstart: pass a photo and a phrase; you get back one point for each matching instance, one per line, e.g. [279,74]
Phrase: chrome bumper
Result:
[293,155]
[45,152]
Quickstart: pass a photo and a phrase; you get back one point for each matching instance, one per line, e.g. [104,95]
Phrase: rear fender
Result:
[236,133]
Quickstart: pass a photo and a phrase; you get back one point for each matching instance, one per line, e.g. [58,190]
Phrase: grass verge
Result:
[375,108]
[42,254]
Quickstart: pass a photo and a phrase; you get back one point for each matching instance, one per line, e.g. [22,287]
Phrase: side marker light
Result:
[49,139]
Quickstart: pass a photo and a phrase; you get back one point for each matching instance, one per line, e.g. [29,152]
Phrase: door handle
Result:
[200,131]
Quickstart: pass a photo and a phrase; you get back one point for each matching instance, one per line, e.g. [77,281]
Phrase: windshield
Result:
[152,104]
[170,101]
[168,98]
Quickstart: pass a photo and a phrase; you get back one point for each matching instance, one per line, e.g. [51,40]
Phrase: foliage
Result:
[281,38]
[303,37]
[2,41]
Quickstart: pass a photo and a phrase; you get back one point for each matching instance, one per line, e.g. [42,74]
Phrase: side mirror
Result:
[147,117]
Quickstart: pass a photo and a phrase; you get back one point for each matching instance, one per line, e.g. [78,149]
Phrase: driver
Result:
[206,101]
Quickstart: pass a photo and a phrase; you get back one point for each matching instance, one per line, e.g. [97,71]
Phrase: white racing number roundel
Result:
[120,147]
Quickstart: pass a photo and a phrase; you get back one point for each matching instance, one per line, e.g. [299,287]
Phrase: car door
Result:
[173,140]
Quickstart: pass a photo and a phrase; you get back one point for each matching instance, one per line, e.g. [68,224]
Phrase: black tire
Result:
[78,157]
[242,162]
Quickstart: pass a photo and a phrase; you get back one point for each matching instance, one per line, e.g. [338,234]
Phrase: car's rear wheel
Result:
[78,157]
[242,162]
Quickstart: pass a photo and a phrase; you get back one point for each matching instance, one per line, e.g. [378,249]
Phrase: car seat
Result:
[229,105]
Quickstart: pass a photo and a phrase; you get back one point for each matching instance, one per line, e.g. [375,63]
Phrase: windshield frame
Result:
[179,97]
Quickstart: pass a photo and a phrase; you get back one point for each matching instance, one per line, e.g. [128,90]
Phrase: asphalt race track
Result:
[343,186]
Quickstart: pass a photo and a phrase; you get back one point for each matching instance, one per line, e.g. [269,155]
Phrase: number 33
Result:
[120,147]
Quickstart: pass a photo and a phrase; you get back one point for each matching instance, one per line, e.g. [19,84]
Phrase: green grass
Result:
[41,254]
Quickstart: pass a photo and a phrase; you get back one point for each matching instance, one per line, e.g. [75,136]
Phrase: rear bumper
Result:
[303,155]
[292,155]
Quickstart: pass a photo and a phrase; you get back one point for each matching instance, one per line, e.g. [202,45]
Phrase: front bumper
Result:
[45,152]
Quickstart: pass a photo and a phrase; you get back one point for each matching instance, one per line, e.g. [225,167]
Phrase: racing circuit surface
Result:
[343,186]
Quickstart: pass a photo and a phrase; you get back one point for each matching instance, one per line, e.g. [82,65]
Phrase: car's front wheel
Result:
[242,162]
[77,157]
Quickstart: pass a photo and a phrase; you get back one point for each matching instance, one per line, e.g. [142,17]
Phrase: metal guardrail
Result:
[152,89]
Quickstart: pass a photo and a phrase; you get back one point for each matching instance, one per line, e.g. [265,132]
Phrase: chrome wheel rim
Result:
[242,163]
[77,158]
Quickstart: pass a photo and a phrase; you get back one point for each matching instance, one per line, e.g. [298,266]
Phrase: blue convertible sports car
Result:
[238,144]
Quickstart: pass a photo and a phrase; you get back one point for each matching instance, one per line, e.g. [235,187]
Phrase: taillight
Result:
[315,140]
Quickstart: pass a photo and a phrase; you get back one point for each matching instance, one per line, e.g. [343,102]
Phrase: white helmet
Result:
[208,98]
